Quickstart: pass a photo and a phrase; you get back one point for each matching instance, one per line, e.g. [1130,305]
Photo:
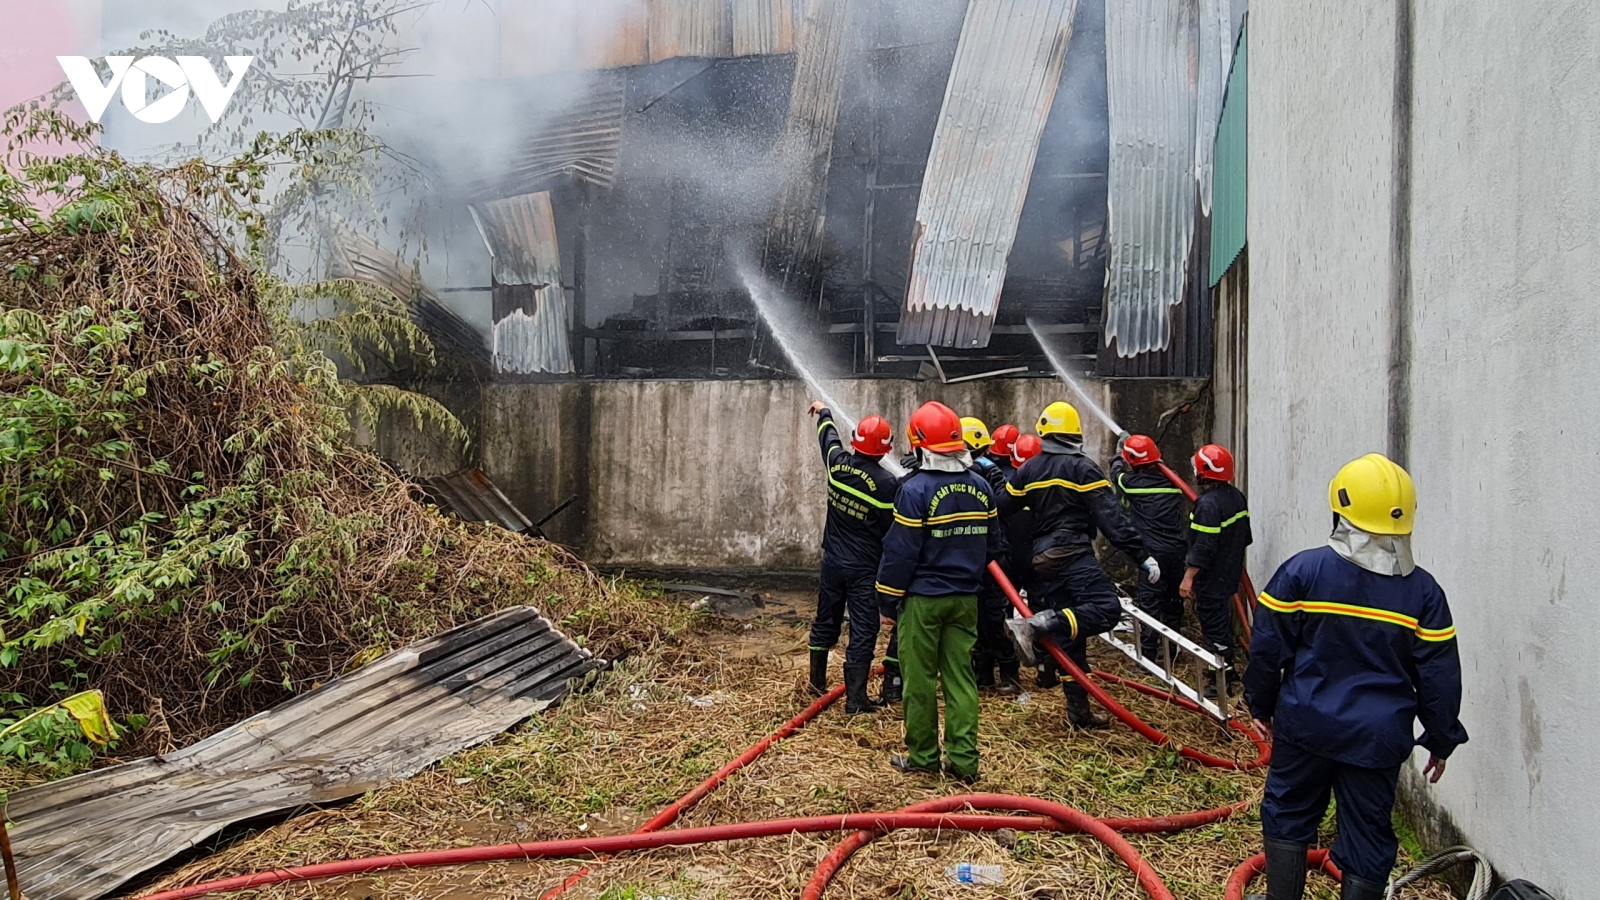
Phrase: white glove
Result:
[1152,569]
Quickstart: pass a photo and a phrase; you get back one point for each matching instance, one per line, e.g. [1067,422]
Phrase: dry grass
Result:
[607,760]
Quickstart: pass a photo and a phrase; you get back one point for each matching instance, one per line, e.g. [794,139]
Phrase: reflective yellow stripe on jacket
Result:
[1217,529]
[859,495]
[1150,490]
[1359,612]
[1057,482]
[976,515]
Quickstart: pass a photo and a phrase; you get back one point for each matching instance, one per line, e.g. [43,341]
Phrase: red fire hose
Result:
[936,814]
[1263,747]
[670,814]
[867,826]
[1255,865]
[835,860]
[1247,590]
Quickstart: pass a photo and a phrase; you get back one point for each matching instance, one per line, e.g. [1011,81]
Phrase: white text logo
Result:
[180,75]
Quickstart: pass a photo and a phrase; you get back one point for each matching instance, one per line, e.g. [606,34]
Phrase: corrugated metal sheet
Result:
[583,141]
[805,148]
[472,496]
[354,255]
[1232,187]
[689,28]
[563,35]
[1189,352]
[762,27]
[530,305]
[1004,78]
[1151,178]
[613,33]
[1215,29]
[82,837]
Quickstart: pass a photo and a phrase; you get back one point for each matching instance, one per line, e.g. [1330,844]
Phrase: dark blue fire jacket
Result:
[1155,506]
[945,531]
[1343,661]
[1219,532]
[1016,526]
[860,503]
[1070,499]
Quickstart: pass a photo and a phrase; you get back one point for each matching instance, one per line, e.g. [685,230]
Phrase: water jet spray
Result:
[797,343]
[1061,369]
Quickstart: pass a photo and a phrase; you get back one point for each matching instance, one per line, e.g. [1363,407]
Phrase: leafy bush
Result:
[183,523]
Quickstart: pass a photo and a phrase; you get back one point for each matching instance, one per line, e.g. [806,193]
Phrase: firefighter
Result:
[1070,499]
[1156,507]
[1219,532]
[1352,645]
[860,508]
[1026,448]
[945,532]
[1005,438]
[992,458]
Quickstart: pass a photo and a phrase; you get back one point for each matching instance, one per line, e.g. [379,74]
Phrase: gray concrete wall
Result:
[1502,424]
[726,474]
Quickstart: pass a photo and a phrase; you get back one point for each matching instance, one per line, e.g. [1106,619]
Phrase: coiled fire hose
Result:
[1482,874]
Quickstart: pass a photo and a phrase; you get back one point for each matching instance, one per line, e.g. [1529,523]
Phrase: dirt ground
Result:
[664,719]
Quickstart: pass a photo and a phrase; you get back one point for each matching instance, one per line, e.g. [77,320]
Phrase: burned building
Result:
[921,179]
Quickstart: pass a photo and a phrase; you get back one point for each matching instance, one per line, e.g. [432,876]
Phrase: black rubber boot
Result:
[1080,714]
[1010,679]
[819,671]
[856,700]
[1353,888]
[983,671]
[893,687]
[1286,871]
[1049,675]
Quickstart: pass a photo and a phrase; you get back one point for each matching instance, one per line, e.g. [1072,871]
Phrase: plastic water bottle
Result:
[975,873]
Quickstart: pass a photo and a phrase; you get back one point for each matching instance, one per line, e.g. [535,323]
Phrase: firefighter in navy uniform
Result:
[860,509]
[1353,645]
[1156,507]
[1071,499]
[991,456]
[1219,532]
[945,532]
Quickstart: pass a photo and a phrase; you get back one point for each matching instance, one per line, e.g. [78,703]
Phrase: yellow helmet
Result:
[1376,495]
[1060,417]
[975,433]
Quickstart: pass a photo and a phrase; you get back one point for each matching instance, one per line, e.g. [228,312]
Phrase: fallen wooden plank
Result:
[82,837]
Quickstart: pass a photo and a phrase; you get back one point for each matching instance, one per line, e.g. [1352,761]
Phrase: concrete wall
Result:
[1501,423]
[726,474]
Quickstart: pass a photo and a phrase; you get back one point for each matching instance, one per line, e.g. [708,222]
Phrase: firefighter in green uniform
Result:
[945,532]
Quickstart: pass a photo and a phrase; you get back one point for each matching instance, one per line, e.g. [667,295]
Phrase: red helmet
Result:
[872,437]
[1213,462]
[1141,450]
[935,427]
[1026,448]
[1004,437]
